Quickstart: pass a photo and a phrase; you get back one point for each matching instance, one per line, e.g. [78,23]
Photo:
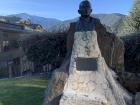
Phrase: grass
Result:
[25,91]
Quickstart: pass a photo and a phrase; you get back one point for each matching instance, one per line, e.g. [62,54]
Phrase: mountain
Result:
[111,21]
[47,23]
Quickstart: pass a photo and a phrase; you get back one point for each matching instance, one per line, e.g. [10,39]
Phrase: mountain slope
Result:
[47,23]
[111,21]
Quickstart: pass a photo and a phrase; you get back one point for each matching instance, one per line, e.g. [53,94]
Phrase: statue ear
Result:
[79,11]
[90,10]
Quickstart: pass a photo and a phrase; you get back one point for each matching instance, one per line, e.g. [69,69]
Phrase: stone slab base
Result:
[81,100]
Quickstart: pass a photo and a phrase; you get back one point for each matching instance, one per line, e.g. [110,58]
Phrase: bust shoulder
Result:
[72,26]
[97,21]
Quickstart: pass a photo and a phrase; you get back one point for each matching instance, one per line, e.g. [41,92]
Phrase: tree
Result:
[47,50]
[131,23]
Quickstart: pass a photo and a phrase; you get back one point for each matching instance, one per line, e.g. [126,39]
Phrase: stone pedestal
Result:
[86,88]
[90,81]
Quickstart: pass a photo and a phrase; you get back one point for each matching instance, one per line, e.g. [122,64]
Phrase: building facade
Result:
[13,61]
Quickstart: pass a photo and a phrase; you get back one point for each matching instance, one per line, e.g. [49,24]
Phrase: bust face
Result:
[85,9]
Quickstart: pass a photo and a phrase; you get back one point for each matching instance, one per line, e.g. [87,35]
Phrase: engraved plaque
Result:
[86,64]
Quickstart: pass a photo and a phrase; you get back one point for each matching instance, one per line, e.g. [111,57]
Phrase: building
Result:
[29,26]
[13,61]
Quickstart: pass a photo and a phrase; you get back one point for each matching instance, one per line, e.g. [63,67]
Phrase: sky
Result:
[62,9]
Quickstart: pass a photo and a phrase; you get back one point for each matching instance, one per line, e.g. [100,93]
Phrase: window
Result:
[5,46]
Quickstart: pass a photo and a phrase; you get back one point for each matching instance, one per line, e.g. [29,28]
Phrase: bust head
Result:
[85,9]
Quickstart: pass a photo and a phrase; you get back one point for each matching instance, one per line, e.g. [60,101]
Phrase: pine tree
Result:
[131,23]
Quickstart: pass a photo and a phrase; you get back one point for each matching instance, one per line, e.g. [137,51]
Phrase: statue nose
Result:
[85,10]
